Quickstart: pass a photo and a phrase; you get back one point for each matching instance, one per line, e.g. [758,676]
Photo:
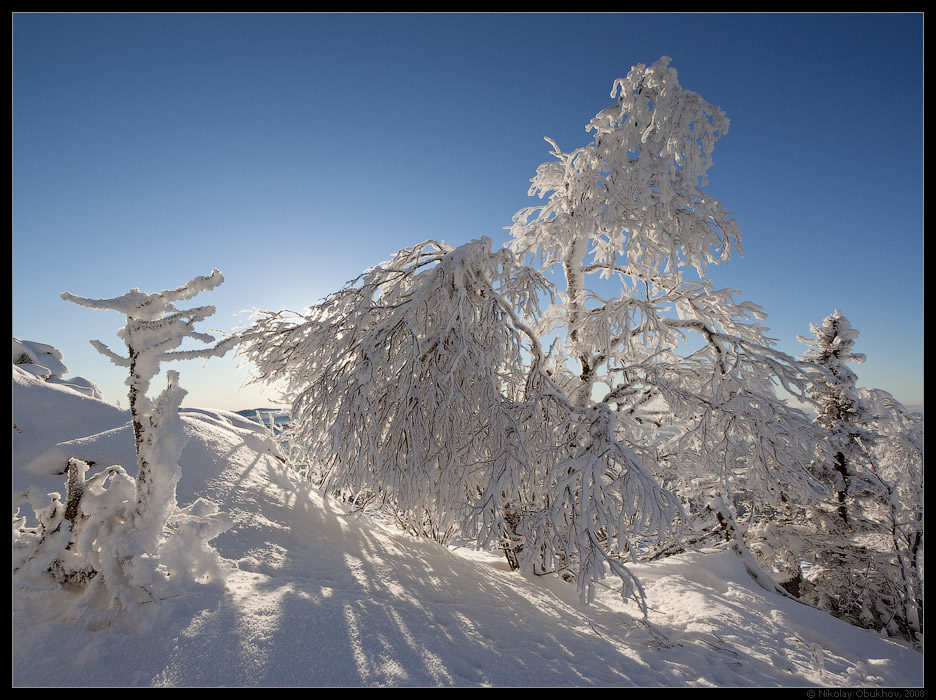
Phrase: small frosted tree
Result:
[155,329]
[857,553]
[110,529]
[420,388]
[834,389]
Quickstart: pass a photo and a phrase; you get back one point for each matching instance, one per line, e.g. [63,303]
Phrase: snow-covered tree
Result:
[640,327]
[834,390]
[820,531]
[868,564]
[155,329]
[110,529]
[421,388]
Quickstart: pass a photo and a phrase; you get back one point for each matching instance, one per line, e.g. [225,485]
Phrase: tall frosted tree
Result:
[632,233]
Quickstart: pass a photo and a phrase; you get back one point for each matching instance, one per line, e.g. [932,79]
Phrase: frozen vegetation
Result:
[561,462]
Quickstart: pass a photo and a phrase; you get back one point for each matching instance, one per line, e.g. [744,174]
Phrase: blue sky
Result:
[293,151]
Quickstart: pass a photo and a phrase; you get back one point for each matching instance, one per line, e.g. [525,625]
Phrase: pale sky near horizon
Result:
[292,151]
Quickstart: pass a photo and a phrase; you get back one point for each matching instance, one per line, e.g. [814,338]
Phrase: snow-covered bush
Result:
[111,531]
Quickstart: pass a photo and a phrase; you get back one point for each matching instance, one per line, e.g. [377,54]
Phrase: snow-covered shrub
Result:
[73,542]
[111,532]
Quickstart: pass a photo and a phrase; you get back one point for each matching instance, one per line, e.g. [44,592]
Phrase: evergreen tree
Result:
[859,554]
[835,392]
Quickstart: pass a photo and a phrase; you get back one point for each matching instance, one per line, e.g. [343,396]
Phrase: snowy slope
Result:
[315,595]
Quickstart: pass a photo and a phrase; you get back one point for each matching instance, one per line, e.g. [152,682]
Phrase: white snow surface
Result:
[315,594]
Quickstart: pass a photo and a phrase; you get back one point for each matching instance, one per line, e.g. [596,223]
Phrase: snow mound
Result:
[47,363]
[46,413]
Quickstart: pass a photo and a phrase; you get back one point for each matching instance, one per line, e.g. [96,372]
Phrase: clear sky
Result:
[293,151]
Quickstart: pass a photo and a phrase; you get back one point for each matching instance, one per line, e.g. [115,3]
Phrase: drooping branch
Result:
[422,388]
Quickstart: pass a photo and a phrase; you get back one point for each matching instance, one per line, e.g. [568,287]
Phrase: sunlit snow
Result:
[310,593]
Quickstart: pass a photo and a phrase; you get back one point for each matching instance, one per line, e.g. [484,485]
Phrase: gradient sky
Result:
[293,151]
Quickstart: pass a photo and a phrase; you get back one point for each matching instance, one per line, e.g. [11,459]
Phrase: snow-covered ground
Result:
[313,594]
